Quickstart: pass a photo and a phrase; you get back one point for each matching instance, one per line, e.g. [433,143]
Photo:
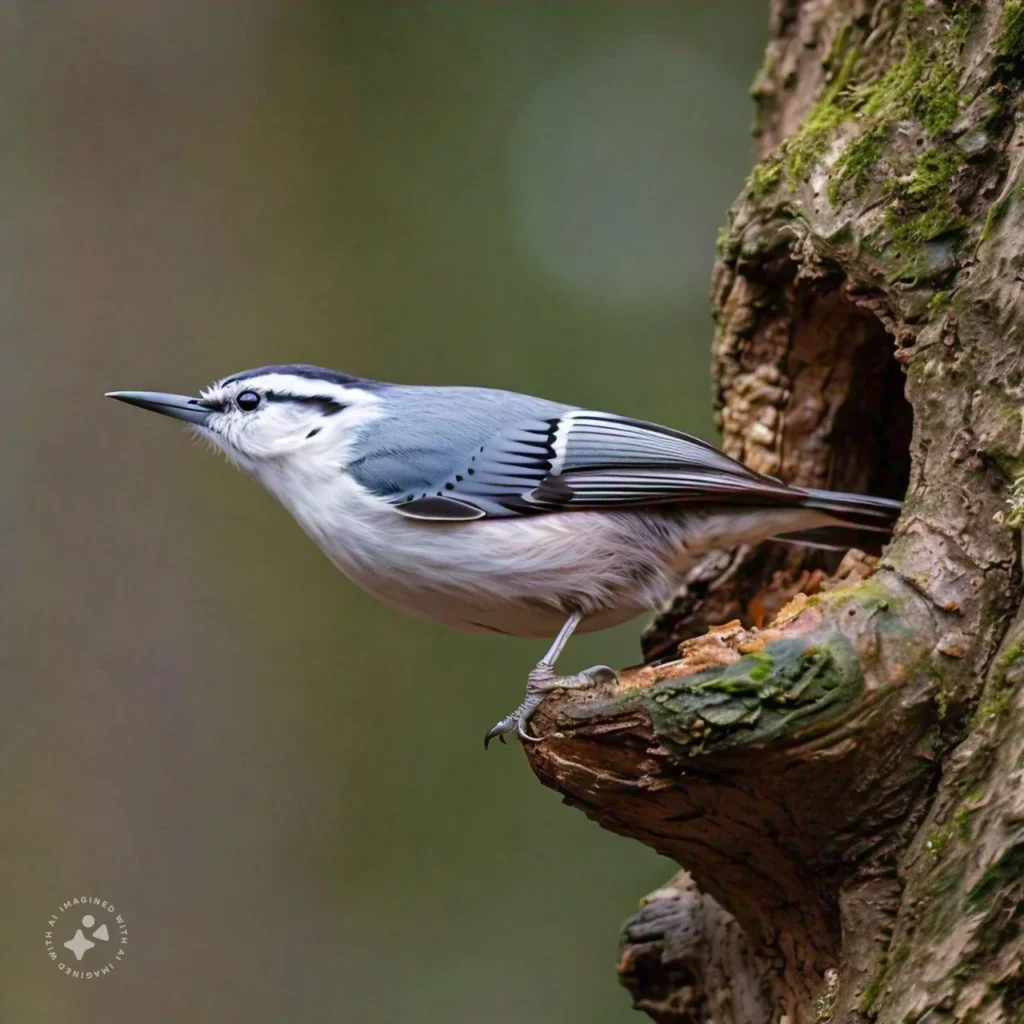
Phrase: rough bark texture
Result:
[846,786]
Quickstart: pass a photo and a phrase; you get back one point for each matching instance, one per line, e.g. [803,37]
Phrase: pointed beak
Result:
[181,407]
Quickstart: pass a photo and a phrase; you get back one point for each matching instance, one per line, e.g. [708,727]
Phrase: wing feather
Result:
[595,460]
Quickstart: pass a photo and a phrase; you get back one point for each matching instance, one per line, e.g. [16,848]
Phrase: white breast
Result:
[520,576]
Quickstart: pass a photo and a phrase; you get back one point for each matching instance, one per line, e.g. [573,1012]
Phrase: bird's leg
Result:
[542,680]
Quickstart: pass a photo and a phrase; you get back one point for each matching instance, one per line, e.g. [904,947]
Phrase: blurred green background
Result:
[279,782]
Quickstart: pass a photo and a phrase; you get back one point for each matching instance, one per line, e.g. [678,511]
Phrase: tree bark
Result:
[845,787]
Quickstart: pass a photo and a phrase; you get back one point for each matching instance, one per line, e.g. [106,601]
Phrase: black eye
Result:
[248,400]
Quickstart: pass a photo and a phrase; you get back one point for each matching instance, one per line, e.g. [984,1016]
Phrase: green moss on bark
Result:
[889,966]
[959,826]
[996,698]
[944,907]
[766,177]
[921,207]
[922,85]
[809,145]
[1007,871]
[789,685]
[1009,59]
[859,161]
[1015,501]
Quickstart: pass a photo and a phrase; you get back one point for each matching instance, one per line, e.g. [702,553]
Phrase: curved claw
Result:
[598,674]
[542,680]
[498,731]
[524,735]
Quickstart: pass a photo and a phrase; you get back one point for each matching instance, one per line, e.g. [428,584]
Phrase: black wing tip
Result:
[438,508]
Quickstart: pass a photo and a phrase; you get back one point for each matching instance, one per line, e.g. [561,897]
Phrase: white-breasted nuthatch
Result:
[498,512]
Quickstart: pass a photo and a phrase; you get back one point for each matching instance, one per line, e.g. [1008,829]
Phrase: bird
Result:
[502,513]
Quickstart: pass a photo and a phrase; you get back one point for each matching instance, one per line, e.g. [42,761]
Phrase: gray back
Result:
[429,433]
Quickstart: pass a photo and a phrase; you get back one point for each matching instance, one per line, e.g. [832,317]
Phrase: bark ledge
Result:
[846,786]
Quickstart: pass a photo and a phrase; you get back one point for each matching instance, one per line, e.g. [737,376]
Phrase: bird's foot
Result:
[539,683]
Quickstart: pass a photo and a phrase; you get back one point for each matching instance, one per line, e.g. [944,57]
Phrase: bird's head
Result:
[276,419]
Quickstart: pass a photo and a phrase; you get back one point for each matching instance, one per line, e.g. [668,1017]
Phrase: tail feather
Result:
[837,538]
[857,510]
[861,521]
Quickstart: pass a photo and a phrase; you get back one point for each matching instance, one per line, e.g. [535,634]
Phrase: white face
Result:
[280,421]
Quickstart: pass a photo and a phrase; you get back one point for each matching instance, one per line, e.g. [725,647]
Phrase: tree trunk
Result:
[845,787]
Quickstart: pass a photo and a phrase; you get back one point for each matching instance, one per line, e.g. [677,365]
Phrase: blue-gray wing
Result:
[579,459]
[427,441]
